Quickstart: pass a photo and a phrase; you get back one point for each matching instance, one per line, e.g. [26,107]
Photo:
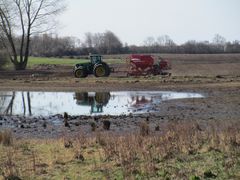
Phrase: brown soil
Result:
[216,76]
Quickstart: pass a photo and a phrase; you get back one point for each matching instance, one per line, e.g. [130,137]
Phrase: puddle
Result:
[85,103]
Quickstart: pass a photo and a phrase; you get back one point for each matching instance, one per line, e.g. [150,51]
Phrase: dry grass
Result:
[6,137]
[183,150]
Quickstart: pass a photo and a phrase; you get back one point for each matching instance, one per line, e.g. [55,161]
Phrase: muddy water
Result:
[85,103]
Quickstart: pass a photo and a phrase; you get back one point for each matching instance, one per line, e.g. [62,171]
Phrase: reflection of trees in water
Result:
[9,109]
[29,103]
[2,101]
[7,102]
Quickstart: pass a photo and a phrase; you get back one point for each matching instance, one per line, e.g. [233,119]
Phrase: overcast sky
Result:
[135,20]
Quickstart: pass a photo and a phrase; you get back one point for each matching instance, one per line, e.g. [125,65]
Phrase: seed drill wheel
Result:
[80,73]
[101,70]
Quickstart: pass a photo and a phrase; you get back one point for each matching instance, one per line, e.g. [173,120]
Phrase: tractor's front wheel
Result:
[100,70]
[80,73]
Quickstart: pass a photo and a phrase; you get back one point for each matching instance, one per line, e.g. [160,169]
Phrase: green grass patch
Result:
[34,61]
[58,61]
[66,61]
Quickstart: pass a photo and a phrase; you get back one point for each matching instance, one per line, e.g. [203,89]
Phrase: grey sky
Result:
[135,20]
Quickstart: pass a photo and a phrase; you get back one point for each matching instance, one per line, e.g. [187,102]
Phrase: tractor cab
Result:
[96,66]
[96,59]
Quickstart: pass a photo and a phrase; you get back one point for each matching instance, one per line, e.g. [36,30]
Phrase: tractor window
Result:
[96,59]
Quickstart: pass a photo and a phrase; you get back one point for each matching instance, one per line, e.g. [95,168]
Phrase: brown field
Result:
[187,69]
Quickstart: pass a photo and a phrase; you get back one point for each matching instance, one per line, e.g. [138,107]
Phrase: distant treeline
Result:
[49,45]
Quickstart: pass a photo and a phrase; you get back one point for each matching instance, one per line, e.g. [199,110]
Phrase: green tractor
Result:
[96,67]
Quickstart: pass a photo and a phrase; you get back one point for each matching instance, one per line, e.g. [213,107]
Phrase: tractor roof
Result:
[94,55]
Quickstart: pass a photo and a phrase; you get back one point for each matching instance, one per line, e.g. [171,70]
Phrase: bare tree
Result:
[219,40]
[149,41]
[105,43]
[165,40]
[112,43]
[25,18]
[89,39]
[50,45]
[98,41]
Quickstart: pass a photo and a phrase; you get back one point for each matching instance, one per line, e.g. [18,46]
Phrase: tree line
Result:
[50,45]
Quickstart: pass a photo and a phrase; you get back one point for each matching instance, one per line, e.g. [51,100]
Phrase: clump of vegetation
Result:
[66,123]
[182,150]
[6,138]
[93,126]
[144,128]
[106,125]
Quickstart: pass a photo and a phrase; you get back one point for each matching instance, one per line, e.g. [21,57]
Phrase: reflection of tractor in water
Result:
[95,100]
[140,101]
[96,66]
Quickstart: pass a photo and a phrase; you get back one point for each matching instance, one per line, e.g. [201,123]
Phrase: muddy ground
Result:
[215,76]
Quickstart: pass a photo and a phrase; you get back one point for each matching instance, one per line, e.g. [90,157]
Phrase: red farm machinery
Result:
[136,65]
[147,65]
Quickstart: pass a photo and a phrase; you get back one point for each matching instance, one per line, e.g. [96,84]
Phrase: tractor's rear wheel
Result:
[80,73]
[100,70]
[108,70]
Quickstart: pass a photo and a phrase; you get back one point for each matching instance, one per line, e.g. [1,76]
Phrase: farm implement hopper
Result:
[147,65]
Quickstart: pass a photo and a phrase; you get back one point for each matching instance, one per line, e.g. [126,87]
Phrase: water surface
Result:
[86,103]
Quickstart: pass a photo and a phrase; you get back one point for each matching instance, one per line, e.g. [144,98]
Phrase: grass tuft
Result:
[6,138]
